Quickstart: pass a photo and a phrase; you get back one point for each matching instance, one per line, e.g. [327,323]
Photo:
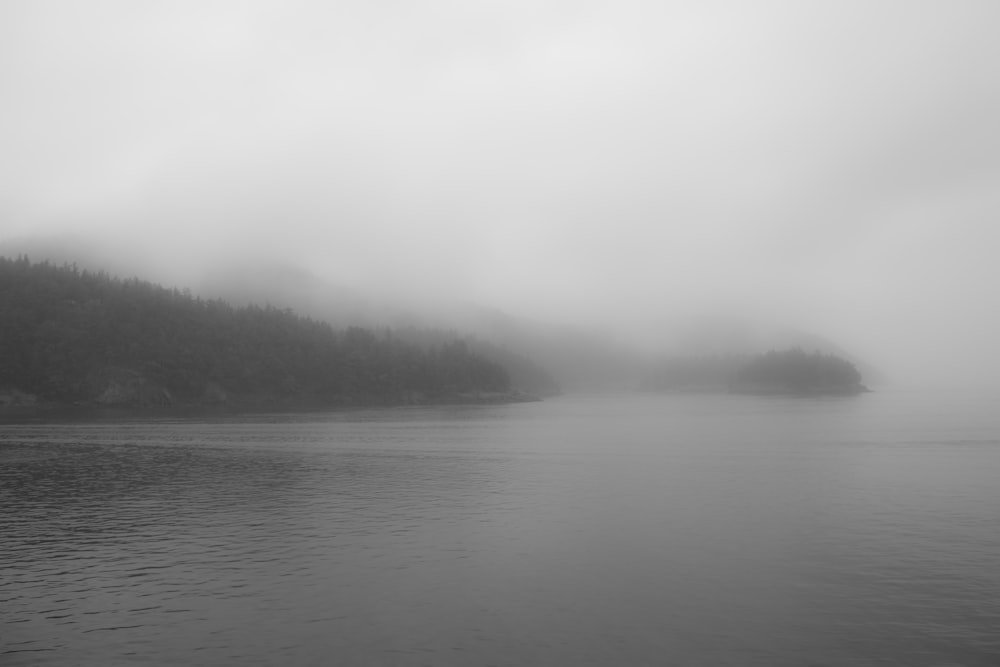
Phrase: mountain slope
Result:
[71,335]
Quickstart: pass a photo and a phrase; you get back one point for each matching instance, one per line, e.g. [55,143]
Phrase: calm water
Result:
[616,530]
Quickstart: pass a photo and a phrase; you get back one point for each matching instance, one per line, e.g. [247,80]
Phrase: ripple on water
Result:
[560,533]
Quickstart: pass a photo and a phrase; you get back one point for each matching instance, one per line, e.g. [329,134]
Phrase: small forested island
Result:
[790,372]
[797,372]
[76,337]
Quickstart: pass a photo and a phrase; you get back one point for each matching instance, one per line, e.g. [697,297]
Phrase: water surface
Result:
[604,530]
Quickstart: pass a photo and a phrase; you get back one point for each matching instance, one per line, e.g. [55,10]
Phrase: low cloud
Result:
[622,164]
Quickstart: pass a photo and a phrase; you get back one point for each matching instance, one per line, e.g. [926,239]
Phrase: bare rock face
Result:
[122,386]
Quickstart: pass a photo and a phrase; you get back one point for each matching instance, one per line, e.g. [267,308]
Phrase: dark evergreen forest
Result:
[68,335]
[525,375]
[797,371]
[792,371]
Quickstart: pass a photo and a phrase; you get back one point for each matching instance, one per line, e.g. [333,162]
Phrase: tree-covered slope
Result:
[791,371]
[71,335]
[799,372]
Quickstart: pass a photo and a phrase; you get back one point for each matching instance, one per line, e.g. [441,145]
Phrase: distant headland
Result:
[781,372]
[71,337]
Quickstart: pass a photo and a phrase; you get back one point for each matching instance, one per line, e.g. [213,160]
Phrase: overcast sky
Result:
[833,165]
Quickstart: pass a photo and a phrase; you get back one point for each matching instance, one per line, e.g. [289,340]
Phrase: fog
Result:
[627,166]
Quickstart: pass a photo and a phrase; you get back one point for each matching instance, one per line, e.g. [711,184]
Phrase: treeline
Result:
[524,373]
[72,335]
[797,371]
[791,371]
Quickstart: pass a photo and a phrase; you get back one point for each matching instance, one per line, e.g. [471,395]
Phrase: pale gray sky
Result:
[834,165]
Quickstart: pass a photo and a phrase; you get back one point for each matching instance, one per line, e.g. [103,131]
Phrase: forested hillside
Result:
[525,374]
[791,371]
[68,335]
[799,372]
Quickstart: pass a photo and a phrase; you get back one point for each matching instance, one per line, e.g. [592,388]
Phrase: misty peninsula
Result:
[791,372]
[72,337]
